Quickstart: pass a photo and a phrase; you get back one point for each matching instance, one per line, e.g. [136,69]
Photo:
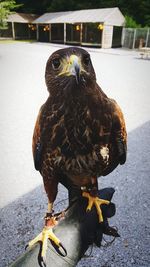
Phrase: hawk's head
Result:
[69,69]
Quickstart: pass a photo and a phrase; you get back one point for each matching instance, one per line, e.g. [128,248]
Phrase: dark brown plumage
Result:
[79,135]
[81,132]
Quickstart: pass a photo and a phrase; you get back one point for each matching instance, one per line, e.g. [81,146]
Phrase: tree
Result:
[6,8]
[137,9]
[131,23]
[34,6]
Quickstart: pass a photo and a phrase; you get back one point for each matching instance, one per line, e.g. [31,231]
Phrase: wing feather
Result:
[36,143]
[119,132]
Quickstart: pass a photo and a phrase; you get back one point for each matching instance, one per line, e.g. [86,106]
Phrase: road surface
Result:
[123,76]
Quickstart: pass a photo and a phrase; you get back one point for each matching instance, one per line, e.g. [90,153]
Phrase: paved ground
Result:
[123,76]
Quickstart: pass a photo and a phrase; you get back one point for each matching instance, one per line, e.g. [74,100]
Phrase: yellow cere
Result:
[68,65]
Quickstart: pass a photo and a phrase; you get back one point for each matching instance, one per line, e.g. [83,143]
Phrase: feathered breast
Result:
[77,137]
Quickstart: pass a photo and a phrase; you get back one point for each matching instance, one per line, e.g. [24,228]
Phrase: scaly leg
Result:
[47,233]
[93,199]
[97,202]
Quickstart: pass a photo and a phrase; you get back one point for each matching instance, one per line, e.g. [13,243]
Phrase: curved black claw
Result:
[42,262]
[61,250]
[26,247]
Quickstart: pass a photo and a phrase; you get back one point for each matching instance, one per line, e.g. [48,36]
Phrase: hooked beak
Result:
[71,66]
[77,73]
[75,67]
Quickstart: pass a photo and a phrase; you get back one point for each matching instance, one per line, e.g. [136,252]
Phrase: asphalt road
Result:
[123,76]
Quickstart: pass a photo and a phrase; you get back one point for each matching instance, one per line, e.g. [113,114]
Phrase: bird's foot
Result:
[97,202]
[44,236]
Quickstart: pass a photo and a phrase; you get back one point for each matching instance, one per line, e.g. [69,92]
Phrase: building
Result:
[20,26]
[92,27]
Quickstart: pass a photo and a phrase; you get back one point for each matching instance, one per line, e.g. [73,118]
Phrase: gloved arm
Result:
[77,231]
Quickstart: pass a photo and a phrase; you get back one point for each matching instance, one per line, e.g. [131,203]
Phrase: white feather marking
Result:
[104,151]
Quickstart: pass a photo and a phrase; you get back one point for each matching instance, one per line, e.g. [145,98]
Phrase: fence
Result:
[136,38]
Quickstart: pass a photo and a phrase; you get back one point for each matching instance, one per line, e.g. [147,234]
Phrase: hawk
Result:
[79,135]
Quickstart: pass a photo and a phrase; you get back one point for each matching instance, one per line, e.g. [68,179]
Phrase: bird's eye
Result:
[86,60]
[56,63]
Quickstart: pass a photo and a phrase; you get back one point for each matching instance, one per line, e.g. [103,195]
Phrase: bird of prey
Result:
[80,134]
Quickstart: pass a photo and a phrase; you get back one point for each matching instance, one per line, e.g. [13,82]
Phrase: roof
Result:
[21,17]
[109,16]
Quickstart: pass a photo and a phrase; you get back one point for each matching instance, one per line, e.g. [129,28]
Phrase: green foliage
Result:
[6,8]
[139,10]
[34,6]
[131,23]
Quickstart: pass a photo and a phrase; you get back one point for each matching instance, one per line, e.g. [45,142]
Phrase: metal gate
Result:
[136,38]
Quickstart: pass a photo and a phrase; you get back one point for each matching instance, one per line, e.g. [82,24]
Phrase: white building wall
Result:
[115,18]
[107,36]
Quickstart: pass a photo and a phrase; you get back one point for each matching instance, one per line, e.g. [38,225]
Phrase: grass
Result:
[7,41]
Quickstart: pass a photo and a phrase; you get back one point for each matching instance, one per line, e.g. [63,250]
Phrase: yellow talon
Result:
[97,202]
[46,234]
